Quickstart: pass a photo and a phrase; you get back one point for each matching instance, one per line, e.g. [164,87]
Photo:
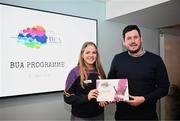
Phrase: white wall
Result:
[115,8]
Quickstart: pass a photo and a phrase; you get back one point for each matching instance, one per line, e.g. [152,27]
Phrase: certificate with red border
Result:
[112,89]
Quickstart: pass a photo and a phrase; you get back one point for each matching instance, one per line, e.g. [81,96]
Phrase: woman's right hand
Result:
[93,94]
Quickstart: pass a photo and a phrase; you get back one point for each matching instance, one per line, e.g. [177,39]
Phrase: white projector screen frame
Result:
[42,66]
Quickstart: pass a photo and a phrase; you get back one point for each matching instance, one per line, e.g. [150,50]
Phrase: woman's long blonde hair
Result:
[82,66]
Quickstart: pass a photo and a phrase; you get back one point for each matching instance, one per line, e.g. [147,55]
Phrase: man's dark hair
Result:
[130,28]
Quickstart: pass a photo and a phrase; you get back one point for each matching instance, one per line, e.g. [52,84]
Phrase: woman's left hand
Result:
[103,103]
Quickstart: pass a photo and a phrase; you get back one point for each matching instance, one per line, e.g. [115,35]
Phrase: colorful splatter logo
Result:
[33,37]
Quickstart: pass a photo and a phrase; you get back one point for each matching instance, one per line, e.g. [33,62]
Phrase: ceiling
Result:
[165,15]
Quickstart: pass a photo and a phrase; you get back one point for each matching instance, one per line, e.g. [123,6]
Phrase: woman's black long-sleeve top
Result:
[77,96]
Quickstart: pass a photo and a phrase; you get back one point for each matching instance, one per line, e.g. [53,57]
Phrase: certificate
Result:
[112,89]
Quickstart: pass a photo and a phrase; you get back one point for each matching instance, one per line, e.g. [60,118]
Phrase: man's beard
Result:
[135,51]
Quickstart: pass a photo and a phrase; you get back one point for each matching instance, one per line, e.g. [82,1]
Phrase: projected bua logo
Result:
[36,37]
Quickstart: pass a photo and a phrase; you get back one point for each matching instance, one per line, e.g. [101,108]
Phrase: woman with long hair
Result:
[80,90]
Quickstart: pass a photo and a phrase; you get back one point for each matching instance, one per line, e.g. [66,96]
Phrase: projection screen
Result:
[39,48]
